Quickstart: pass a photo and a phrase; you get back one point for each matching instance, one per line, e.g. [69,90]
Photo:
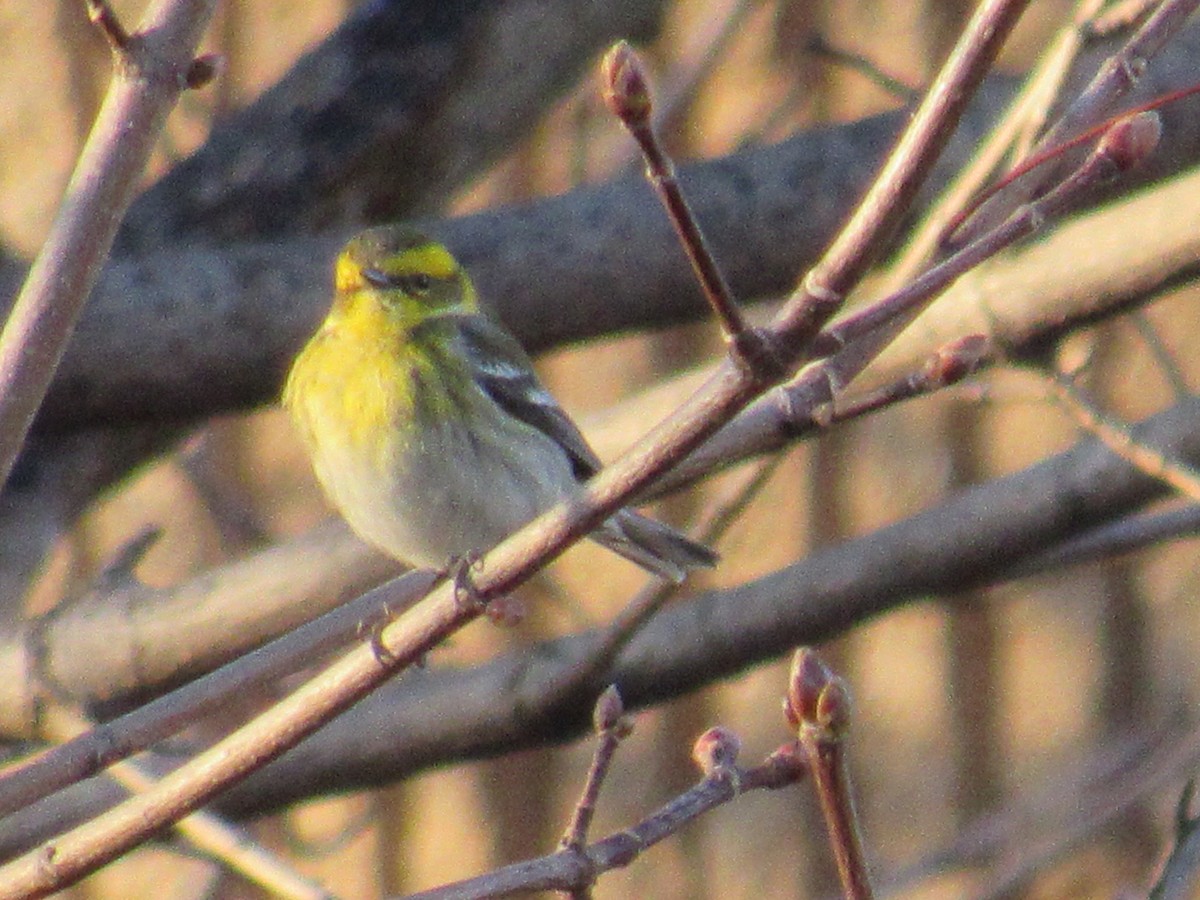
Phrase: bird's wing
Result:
[505,373]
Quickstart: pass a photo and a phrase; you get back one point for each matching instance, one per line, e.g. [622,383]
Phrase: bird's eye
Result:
[417,283]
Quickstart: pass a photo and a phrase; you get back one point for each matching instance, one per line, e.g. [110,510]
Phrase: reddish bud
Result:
[202,70]
[716,750]
[609,708]
[626,92]
[1128,141]
[833,708]
[808,677]
[953,362]
[789,761]
[507,612]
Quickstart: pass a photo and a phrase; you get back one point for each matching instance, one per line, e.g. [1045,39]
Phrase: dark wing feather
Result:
[505,373]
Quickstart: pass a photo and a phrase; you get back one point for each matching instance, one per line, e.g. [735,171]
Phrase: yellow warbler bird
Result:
[426,424]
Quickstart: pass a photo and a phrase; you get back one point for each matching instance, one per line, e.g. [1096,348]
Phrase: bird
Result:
[426,424]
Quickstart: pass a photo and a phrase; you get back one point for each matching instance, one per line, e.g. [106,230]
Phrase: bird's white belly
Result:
[451,493]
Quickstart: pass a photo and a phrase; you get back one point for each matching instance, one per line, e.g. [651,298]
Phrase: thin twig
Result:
[819,47]
[628,97]
[1121,14]
[1125,535]
[1029,834]
[1028,107]
[648,601]
[946,366]
[858,338]
[1042,158]
[1121,71]
[678,96]
[106,19]
[818,707]
[1115,79]
[612,727]
[24,783]
[567,871]
[230,846]
[929,130]
[1167,362]
[1181,869]
[1118,436]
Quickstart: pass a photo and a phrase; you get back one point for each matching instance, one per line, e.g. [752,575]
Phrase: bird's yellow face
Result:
[401,275]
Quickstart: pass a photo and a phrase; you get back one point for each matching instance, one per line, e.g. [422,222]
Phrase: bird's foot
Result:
[374,629]
[466,594]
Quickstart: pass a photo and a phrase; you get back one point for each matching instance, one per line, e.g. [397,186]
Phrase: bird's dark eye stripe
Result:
[418,282]
[412,282]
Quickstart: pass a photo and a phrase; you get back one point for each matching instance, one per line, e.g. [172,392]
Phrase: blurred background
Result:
[976,715]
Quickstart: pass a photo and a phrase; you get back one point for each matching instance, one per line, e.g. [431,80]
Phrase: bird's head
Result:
[397,270]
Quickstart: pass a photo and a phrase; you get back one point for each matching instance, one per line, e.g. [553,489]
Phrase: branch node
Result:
[628,845]
[104,18]
[202,70]
[819,291]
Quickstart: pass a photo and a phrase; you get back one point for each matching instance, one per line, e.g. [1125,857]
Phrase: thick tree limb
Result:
[399,106]
[1083,271]
[439,715]
[973,538]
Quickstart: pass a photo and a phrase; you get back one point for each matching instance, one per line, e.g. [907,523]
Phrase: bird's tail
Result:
[656,547]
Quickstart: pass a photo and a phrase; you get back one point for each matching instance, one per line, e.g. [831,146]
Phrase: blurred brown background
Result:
[1010,703]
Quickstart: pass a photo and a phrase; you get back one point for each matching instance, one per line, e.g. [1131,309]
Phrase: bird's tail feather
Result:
[656,547]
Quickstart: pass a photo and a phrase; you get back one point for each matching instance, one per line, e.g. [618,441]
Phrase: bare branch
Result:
[977,537]
[204,831]
[611,726]
[572,870]
[980,536]
[149,76]
[90,753]
[628,97]
[1115,80]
